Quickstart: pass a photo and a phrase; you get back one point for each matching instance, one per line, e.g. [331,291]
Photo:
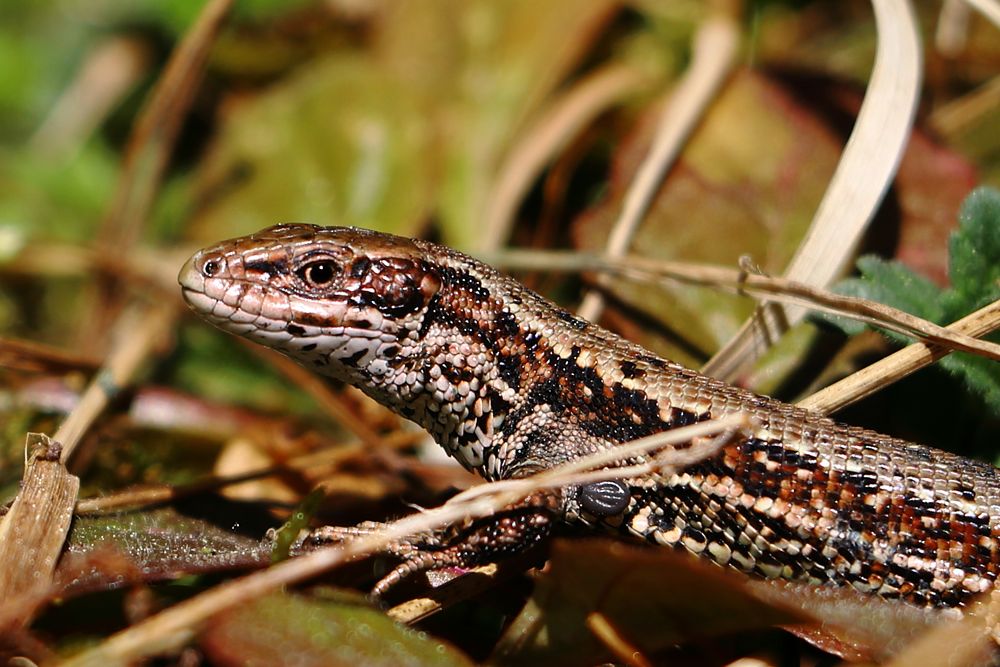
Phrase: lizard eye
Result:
[318,274]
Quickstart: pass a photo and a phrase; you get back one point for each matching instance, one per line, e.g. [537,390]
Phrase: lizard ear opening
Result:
[402,286]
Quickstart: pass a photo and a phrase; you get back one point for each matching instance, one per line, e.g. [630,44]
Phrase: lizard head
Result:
[334,298]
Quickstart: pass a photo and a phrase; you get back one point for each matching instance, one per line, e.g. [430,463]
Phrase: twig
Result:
[138,331]
[988,8]
[952,28]
[34,529]
[109,71]
[320,390]
[141,497]
[956,116]
[147,153]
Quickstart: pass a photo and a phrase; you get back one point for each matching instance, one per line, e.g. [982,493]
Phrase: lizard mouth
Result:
[193,278]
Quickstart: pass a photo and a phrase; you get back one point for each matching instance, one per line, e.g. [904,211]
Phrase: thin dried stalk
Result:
[863,175]
[108,73]
[460,588]
[143,497]
[988,8]
[952,28]
[146,157]
[156,129]
[31,357]
[38,521]
[320,390]
[616,643]
[557,125]
[898,365]
[714,52]
[954,117]
[761,287]
[138,332]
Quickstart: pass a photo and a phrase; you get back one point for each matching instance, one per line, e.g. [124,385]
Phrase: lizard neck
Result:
[458,373]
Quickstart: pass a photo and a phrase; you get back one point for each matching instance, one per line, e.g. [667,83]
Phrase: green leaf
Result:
[974,261]
[893,284]
[980,376]
[339,143]
[286,629]
[159,544]
[974,266]
[299,519]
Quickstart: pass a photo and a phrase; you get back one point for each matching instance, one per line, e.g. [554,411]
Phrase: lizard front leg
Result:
[513,530]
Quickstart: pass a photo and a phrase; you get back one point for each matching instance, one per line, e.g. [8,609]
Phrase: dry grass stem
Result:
[156,128]
[953,118]
[145,160]
[952,28]
[714,52]
[898,365]
[105,77]
[865,171]
[30,357]
[144,497]
[582,470]
[540,143]
[463,586]
[988,8]
[136,334]
[320,390]
[614,641]
[141,267]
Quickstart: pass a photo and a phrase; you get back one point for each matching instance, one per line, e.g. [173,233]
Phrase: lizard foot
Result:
[511,531]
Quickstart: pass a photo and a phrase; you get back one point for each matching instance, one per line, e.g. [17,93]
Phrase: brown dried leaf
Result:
[656,598]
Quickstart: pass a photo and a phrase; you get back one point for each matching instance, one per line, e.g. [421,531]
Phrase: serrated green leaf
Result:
[974,260]
[894,284]
[979,374]
[974,268]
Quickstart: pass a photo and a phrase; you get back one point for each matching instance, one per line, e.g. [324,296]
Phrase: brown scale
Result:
[907,514]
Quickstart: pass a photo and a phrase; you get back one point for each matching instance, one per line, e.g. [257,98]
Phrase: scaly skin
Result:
[509,384]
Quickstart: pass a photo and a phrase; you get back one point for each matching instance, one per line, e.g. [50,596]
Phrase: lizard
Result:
[509,384]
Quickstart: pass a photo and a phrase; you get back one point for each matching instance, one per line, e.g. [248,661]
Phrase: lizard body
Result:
[509,384]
